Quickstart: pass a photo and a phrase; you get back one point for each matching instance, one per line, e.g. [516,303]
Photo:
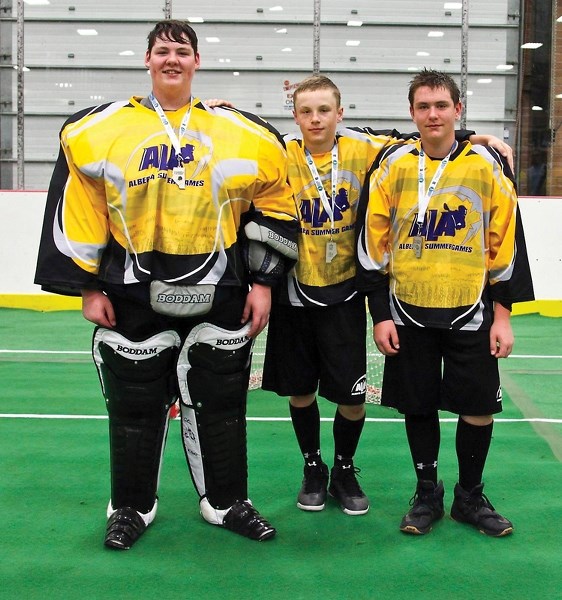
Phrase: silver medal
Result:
[331,251]
[417,245]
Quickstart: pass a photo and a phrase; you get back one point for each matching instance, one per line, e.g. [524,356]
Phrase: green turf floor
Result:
[54,488]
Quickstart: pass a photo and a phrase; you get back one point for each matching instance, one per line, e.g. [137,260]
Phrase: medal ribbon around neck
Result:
[169,130]
[328,206]
[423,196]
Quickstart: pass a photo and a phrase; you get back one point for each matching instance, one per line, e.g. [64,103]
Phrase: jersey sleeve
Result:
[74,228]
[372,233]
[509,271]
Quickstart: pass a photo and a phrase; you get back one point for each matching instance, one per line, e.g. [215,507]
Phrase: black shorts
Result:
[320,349]
[136,319]
[442,369]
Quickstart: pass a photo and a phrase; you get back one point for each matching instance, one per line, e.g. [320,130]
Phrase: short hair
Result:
[433,79]
[174,31]
[317,82]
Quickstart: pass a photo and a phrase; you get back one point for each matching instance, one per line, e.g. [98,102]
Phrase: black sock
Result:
[306,423]
[472,443]
[424,438]
[346,437]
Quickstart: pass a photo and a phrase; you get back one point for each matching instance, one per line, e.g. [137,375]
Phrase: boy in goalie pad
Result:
[172,220]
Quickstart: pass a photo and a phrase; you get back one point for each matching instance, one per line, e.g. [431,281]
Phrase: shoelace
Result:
[349,481]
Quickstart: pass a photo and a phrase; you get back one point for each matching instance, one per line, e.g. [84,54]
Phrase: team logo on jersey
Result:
[437,224]
[313,211]
[163,157]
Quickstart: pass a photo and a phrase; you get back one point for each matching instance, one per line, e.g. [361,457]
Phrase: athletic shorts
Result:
[442,369]
[320,349]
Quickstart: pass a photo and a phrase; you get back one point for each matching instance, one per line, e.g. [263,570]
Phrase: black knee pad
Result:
[139,386]
[213,373]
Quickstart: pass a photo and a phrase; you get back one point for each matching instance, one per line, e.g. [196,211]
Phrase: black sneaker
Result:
[124,528]
[345,488]
[427,507]
[244,519]
[312,495]
[475,509]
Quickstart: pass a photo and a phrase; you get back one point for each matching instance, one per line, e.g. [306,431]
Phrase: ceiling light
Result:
[452,5]
[236,73]
[37,2]
[276,8]
[196,19]
[126,53]
[422,53]
[559,96]
[24,70]
[484,80]
[352,43]
[559,20]
[536,107]
[435,34]
[469,92]
[87,32]
[414,68]
[212,40]
[354,23]
[281,30]
[286,50]
[504,67]
[531,45]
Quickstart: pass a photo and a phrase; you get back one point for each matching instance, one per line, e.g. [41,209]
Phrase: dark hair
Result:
[433,79]
[317,82]
[174,31]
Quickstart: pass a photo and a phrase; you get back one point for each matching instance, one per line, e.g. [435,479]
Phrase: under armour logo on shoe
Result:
[422,466]
[312,464]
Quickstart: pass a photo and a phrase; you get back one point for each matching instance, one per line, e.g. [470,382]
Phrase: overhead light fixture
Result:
[531,45]
[236,73]
[281,30]
[469,92]
[195,19]
[286,49]
[87,32]
[212,40]
[354,23]
[504,67]
[559,20]
[24,69]
[536,107]
[559,96]
[224,60]
[276,8]
[36,2]
[126,53]
[452,5]
[435,34]
[414,68]
[484,80]
[421,53]
[352,43]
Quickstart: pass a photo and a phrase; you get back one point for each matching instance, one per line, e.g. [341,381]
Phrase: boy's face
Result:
[317,114]
[171,65]
[434,114]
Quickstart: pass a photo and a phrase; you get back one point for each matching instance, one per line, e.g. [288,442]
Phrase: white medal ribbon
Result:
[328,206]
[179,171]
[423,196]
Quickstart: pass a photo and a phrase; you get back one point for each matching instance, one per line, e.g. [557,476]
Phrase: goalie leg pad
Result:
[213,373]
[139,386]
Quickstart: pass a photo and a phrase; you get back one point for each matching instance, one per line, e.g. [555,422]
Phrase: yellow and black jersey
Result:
[115,214]
[314,281]
[473,249]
